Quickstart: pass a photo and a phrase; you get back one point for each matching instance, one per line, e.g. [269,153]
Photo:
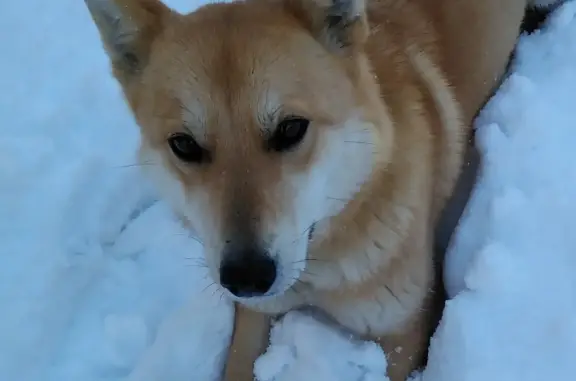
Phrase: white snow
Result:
[98,282]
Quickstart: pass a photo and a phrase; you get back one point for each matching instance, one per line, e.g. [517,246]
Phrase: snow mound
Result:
[296,343]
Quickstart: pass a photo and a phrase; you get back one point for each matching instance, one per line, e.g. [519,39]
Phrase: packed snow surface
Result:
[99,282]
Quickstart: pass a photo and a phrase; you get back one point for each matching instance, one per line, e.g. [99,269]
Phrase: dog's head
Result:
[259,119]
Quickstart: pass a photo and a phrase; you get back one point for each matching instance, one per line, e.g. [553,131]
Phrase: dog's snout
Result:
[248,273]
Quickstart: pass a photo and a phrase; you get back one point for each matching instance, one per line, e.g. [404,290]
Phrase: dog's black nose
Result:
[247,274]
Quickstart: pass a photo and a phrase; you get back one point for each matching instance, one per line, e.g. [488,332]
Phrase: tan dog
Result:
[311,146]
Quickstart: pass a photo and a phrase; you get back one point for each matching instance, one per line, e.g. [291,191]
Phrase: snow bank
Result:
[512,268]
[98,282]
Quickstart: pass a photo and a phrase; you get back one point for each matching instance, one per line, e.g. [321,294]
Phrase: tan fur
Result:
[409,79]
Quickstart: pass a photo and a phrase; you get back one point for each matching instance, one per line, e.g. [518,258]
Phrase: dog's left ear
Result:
[127,29]
[341,25]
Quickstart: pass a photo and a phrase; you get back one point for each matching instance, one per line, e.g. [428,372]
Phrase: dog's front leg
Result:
[249,340]
[407,349]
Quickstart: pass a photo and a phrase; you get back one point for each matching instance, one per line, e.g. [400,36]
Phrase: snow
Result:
[98,281]
[298,340]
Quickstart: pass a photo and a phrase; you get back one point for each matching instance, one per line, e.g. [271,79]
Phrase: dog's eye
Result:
[289,133]
[187,149]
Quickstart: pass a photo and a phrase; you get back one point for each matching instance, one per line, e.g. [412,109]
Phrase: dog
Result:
[312,145]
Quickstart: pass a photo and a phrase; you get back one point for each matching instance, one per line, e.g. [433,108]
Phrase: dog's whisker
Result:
[305,231]
[358,142]
[393,295]
[308,260]
[338,199]
[133,165]
[300,261]
[194,258]
[222,295]
[207,287]
[201,262]
[196,266]
[217,289]
[192,236]
[188,235]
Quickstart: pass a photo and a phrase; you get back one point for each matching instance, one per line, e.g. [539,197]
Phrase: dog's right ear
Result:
[341,25]
[127,29]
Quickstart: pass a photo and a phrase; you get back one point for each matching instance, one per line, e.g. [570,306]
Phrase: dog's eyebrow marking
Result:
[268,111]
[193,119]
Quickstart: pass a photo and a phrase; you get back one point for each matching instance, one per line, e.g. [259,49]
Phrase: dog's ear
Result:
[127,29]
[341,25]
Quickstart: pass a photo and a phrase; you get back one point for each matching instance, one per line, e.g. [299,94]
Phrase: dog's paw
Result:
[303,348]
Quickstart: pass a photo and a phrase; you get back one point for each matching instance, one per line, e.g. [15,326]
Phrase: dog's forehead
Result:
[231,74]
[218,74]
[234,47]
